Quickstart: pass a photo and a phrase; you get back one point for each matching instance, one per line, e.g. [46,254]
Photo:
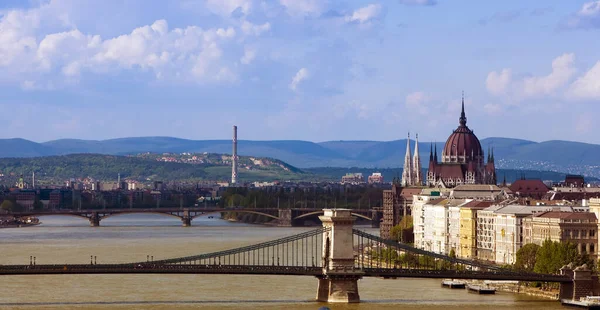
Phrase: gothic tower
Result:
[407,178]
[417,178]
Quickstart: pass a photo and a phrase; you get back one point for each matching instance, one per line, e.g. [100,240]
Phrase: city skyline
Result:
[298,70]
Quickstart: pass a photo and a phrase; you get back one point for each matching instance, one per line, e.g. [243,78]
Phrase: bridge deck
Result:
[158,269]
[270,270]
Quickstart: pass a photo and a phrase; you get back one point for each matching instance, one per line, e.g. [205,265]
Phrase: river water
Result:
[132,237]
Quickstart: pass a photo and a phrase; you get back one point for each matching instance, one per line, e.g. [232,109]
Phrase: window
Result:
[592,248]
[592,233]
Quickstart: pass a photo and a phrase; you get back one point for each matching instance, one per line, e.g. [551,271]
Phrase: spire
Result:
[463,119]
[435,159]
[492,161]
[431,152]
[407,177]
[416,164]
[489,158]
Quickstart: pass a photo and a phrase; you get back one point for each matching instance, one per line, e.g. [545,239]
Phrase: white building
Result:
[419,218]
[441,225]
[500,230]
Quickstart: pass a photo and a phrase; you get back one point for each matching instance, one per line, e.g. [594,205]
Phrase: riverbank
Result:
[13,222]
[19,225]
[520,288]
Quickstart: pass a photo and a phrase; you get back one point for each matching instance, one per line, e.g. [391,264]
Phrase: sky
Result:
[315,70]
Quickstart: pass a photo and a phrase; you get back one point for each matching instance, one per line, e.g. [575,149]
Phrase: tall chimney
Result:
[33,180]
[234,158]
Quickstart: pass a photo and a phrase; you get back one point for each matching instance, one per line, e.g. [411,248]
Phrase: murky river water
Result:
[133,237]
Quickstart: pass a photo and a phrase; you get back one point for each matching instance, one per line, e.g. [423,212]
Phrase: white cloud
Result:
[31,55]
[226,7]
[418,2]
[588,85]
[587,17]
[303,7]
[497,83]
[249,55]
[562,71]
[300,76]
[365,14]
[502,83]
[252,29]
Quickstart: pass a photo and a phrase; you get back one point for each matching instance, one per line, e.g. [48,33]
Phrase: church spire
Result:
[431,152]
[463,118]
[407,178]
[417,180]
[435,159]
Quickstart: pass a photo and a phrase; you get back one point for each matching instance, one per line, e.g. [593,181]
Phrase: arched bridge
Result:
[336,254]
[283,217]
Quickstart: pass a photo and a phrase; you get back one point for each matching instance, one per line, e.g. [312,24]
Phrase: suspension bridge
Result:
[336,254]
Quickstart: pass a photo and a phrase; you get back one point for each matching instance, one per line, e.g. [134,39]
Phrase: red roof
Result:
[529,186]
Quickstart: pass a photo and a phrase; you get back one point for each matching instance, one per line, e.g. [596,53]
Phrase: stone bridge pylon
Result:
[339,281]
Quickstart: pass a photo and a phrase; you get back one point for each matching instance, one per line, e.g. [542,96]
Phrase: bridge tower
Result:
[339,281]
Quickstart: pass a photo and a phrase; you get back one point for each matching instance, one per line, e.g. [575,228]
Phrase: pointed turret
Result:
[407,178]
[435,158]
[431,152]
[463,118]
[492,158]
[417,179]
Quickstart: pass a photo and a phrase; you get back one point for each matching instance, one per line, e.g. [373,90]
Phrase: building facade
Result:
[580,228]
[468,228]
[462,159]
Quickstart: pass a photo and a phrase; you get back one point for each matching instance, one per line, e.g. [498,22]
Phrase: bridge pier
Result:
[186,219]
[94,219]
[585,283]
[285,218]
[375,218]
[339,281]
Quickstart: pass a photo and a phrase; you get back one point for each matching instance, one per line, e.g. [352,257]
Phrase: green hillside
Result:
[145,167]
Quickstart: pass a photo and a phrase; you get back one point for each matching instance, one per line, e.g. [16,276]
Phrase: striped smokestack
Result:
[234,158]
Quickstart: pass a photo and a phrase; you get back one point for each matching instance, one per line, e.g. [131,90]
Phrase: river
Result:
[132,237]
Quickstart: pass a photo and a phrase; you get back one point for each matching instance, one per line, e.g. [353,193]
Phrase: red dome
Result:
[462,142]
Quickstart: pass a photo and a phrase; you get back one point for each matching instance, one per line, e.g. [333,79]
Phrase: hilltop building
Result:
[353,178]
[375,178]
[462,159]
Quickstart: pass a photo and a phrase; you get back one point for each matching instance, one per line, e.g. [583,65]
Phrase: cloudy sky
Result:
[299,69]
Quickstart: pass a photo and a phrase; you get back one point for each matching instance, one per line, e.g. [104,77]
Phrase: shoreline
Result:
[519,288]
[19,225]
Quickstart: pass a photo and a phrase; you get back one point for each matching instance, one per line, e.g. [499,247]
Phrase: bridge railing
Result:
[390,257]
[301,250]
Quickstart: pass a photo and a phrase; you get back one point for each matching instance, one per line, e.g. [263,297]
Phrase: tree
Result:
[526,257]
[552,255]
[7,205]
[452,253]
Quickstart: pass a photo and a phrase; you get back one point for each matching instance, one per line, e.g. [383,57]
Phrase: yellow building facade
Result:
[468,228]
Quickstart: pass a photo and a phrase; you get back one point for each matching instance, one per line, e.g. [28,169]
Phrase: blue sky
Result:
[312,70]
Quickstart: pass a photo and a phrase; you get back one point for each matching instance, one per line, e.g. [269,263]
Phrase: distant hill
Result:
[147,167]
[563,156]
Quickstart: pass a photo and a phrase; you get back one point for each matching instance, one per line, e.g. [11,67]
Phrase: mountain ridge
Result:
[553,155]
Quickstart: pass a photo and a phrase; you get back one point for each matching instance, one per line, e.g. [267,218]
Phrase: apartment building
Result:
[580,228]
